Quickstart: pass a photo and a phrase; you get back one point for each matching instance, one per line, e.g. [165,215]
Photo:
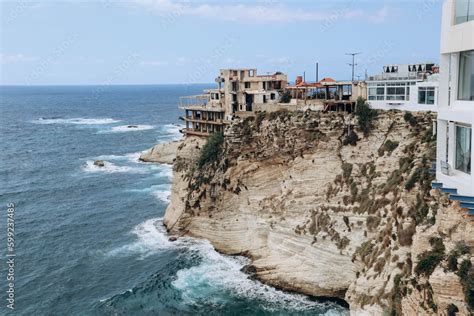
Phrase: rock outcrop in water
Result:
[322,210]
[161,153]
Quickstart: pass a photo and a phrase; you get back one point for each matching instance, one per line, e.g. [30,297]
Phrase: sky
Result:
[104,42]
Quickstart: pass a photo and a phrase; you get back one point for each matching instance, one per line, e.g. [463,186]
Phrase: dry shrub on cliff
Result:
[379,264]
[405,236]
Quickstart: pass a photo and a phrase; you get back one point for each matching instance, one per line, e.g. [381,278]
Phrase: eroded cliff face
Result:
[324,217]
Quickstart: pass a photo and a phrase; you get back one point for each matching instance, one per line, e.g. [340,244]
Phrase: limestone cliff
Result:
[325,210]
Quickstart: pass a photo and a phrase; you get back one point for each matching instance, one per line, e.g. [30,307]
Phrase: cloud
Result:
[154,63]
[16,58]
[262,12]
[381,15]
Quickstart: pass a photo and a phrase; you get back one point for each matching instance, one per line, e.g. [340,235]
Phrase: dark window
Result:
[463,149]
[464,11]
[466,76]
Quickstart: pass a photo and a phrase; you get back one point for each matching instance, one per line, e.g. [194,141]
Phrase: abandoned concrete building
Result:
[239,93]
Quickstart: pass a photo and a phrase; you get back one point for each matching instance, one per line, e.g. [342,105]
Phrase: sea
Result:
[89,240]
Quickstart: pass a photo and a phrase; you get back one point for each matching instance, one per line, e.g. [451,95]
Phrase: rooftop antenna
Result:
[353,62]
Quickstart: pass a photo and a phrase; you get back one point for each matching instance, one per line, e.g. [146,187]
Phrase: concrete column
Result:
[441,143]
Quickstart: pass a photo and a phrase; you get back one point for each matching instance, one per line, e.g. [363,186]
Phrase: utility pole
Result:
[317,71]
[353,63]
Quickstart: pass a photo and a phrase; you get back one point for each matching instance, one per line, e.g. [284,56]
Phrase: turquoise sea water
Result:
[89,240]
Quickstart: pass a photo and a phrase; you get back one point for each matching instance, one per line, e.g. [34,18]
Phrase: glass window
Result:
[377,93]
[430,98]
[422,95]
[466,76]
[426,95]
[463,149]
[464,11]
[396,93]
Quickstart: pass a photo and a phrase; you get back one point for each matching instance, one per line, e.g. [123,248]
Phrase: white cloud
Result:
[16,58]
[381,15]
[154,63]
[263,12]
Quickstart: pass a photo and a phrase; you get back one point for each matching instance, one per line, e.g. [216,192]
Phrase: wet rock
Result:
[99,163]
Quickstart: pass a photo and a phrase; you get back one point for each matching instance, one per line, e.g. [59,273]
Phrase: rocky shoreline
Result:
[319,215]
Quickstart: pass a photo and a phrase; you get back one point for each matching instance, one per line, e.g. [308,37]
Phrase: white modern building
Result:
[405,87]
[456,97]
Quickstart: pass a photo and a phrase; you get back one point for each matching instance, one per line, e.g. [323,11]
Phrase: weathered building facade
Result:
[239,93]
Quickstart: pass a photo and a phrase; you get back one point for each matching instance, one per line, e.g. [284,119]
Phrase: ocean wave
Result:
[219,276]
[76,121]
[165,171]
[131,157]
[127,128]
[161,191]
[151,237]
[163,195]
[170,132]
[110,167]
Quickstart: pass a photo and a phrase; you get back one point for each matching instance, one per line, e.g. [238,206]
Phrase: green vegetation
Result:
[428,136]
[346,171]
[409,118]
[351,139]
[429,260]
[466,276]
[398,291]
[388,146]
[211,150]
[285,97]
[452,310]
[410,184]
[365,116]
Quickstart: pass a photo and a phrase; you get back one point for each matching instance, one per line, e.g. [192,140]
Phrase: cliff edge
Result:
[330,204]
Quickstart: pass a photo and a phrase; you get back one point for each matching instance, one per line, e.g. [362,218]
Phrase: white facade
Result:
[404,87]
[456,97]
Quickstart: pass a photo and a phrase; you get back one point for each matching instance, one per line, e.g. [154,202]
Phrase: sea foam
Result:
[76,121]
[151,237]
[127,128]
[219,276]
[110,167]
